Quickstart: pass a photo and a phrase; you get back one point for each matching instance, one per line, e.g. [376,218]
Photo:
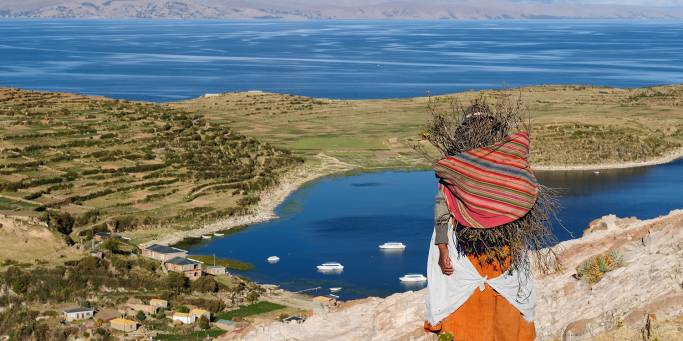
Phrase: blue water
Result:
[345,218]
[178,59]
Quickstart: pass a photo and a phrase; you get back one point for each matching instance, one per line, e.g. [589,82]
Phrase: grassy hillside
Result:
[571,125]
[120,164]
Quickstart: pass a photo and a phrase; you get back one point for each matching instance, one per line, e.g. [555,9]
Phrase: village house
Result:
[145,308]
[192,316]
[100,236]
[123,325]
[215,270]
[162,252]
[188,267]
[159,303]
[80,313]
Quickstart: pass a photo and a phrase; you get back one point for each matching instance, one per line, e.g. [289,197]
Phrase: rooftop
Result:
[120,320]
[77,310]
[181,261]
[163,249]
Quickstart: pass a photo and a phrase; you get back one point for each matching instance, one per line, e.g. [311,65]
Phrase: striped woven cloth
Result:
[489,186]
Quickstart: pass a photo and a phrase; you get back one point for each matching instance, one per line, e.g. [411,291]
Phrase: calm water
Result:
[345,218]
[177,59]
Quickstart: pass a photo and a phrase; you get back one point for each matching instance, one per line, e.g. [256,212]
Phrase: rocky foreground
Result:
[642,300]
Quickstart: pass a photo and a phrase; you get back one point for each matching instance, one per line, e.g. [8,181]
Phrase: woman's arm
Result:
[441,218]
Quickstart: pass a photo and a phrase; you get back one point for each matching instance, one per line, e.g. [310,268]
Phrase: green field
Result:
[249,310]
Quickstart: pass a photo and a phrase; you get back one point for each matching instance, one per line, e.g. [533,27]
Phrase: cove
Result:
[345,218]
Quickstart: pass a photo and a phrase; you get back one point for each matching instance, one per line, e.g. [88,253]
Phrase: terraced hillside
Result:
[571,125]
[121,165]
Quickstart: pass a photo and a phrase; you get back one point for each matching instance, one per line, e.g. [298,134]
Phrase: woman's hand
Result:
[445,260]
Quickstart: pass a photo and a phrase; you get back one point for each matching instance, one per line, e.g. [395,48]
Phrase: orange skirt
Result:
[486,315]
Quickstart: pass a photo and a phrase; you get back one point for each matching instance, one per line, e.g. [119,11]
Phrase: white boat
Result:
[392,246]
[206,236]
[596,172]
[273,259]
[335,289]
[218,234]
[413,278]
[331,266]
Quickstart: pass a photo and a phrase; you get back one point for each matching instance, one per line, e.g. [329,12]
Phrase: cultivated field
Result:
[122,165]
[571,125]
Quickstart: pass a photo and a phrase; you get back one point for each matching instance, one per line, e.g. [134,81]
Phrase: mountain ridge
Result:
[348,9]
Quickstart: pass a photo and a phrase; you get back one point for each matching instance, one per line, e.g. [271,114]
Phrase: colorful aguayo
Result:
[489,186]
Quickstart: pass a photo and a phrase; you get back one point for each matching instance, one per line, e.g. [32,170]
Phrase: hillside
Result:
[641,300]
[120,165]
[328,9]
[571,125]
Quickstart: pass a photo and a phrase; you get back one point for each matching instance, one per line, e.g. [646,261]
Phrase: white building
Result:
[80,313]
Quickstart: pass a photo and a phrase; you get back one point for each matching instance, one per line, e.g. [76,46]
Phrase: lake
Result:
[345,218]
[167,60]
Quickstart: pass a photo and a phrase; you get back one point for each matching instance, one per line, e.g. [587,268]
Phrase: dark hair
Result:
[479,128]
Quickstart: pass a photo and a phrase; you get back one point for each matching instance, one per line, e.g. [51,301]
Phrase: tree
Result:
[204,284]
[140,316]
[62,222]
[204,323]
[252,296]
[176,282]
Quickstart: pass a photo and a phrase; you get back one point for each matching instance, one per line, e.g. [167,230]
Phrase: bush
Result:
[61,222]
[140,316]
[593,269]
[204,323]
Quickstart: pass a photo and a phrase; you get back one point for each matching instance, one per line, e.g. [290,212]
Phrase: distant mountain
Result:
[342,9]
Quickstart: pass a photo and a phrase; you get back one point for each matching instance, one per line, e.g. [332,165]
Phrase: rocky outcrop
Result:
[650,283]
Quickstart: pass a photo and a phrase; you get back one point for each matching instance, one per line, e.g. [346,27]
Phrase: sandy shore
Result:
[265,210]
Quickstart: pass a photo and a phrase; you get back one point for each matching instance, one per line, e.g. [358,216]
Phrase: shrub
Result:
[593,269]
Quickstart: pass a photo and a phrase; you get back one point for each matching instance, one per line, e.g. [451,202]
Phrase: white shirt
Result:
[445,294]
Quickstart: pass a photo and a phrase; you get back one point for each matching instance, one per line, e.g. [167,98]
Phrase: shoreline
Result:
[660,160]
[265,209]
[294,179]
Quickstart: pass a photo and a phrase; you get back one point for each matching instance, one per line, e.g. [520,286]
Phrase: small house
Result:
[80,313]
[163,253]
[188,267]
[192,316]
[123,325]
[148,309]
[159,303]
[215,270]
[197,313]
[100,236]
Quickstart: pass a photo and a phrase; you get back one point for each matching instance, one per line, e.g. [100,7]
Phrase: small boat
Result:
[273,259]
[596,172]
[218,234]
[206,236]
[413,278]
[331,266]
[392,246]
[336,297]
[335,289]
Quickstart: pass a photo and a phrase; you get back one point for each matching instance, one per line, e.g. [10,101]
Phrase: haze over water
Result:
[179,59]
